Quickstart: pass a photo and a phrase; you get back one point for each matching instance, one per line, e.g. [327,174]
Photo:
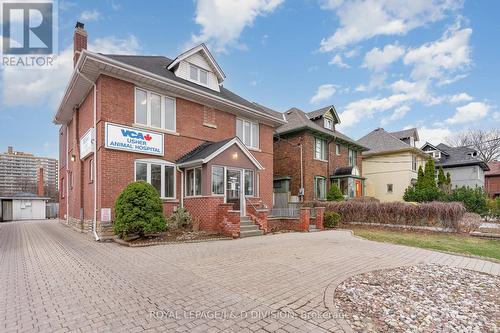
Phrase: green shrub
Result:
[474,199]
[180,219]
[334,194]
[138,210]
[494,208]
[426,189]
[331,219]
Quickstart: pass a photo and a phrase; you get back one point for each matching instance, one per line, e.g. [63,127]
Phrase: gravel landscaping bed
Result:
[423,298]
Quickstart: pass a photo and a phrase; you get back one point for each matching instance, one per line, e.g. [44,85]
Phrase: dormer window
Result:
[198,75]
[328,123]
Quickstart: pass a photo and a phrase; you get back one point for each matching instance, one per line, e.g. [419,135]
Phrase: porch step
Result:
[312,228]
[248,228]
[251,233]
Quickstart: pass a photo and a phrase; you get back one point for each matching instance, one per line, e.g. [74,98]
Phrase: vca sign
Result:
[133,139]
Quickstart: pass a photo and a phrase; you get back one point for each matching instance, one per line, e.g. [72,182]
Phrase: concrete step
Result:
[248,227]
[312,228]
[244,234]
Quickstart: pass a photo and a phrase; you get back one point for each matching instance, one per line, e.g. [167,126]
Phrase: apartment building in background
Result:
[19,172]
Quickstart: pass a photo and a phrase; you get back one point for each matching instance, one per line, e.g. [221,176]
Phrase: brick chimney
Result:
[79,41]
[40,183]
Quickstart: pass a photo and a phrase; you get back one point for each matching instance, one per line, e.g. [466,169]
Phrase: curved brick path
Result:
[54,279]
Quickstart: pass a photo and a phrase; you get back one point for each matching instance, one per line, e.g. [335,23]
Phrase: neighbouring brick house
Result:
[492,179]
[310,154]
[170,123]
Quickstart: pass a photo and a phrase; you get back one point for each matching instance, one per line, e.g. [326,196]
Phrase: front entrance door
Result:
[357,183]
[233,190]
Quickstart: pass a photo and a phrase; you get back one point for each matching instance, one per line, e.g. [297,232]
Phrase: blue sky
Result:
[381,63]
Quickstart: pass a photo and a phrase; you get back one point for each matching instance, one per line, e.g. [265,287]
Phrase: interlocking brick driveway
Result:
[54,279]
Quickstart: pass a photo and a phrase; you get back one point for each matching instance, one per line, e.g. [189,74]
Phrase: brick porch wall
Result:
[205,211]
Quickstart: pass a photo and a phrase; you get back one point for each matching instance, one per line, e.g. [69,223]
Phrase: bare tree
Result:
[485,141]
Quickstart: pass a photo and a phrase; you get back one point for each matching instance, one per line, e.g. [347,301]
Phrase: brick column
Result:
[320,215]
[305,214]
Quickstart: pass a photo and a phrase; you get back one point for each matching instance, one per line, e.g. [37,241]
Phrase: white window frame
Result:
[325,145]
[252,139]
[328,123]
[223,180]
[91,170]
[316,178]
[392,188]
[198,75]
[163,164]
[414,163]
[162,110]
[194,182]
[253,183]
[351,153]
[337,149]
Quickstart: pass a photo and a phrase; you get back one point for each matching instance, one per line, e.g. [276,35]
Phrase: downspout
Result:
[182,187]
[94,147]
[67,174]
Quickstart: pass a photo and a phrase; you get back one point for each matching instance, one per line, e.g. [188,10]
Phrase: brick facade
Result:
[492,185]
[287,161]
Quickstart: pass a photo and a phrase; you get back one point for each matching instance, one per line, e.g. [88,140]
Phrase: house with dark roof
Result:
[171,123]
[391,163]
[310,154]
[465,168]
[492,179]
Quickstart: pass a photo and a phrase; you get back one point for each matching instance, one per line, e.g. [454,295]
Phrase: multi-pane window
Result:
[217,180]
[320,149]
[352,157]
[197,74]
[154,110]
[193,182]
[160,175]
[248,132]
[414,162]
[328,123]
[249,182]
[320,188]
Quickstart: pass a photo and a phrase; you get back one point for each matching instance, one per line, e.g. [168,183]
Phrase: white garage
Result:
[22,206]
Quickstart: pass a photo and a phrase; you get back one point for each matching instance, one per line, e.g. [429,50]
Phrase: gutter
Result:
[182,186]
[94,147]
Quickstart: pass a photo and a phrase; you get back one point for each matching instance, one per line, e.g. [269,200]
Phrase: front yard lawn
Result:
[434,241]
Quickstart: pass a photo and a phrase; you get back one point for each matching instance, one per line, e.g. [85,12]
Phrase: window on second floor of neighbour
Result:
[155,110]
[248,132]
[320,188]
[337,149]
[414,162]
[320,149]
[352,157]
[328,123]
[198,74]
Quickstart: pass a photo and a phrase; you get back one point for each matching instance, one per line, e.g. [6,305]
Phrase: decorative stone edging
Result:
[152,243]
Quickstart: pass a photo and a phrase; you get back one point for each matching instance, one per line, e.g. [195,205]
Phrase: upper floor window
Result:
[248,132]
[197,74]
[154,110]
[337,149]
[320,149]
[158,173]
[328,123]
[414,162]
[352,157]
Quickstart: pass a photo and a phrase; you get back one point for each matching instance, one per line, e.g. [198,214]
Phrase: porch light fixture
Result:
[235,156]
[73,158]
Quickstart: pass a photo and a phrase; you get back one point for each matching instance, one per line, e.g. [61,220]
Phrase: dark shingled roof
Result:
[343,171]
[407,133]
[458,156]
[298,120]
[379,141]
[158,65]
[23,195]
[202,151]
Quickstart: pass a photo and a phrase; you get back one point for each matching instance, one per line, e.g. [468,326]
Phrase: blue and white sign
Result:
[133,139]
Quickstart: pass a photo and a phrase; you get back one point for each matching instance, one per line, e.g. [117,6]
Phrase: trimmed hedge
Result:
[331,219]
[433,214]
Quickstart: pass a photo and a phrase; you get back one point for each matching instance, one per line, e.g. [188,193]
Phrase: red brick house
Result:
[168,122]
[492,179]
[310,154]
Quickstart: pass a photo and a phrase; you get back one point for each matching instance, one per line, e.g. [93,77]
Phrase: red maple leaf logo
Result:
[148,137]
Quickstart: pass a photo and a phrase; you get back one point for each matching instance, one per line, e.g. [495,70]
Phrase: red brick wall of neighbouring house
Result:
[287,161]
[492,185]
[115,169]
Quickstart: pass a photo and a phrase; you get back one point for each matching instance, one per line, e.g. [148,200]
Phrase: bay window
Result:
[320,149]
[193,182]
[154,110]
[160,174]
[248,132]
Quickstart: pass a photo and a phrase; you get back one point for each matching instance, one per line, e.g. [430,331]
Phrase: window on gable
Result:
[328,123]
[248,132]
[320,149]
[154,110]
[198,74]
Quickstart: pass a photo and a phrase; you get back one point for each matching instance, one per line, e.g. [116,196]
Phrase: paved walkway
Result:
[54,279]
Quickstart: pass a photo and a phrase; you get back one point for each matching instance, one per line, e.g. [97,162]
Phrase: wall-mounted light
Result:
[235,156]
[73,158]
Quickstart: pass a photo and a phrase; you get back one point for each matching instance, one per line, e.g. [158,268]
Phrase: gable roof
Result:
[203,49]
[381,141]
[298,120]
[458,156]
[209,150]
[427,144]
[407,133]
[494,169]
[320,112]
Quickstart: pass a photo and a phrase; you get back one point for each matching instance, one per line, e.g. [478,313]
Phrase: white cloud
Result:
[45,86]
[435,135]
[361,20]
[399,113]
[377,59]
[462,97]
[469,113]
[323,93]
[337,60]
[441,59]
[223,21]
[90,15]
